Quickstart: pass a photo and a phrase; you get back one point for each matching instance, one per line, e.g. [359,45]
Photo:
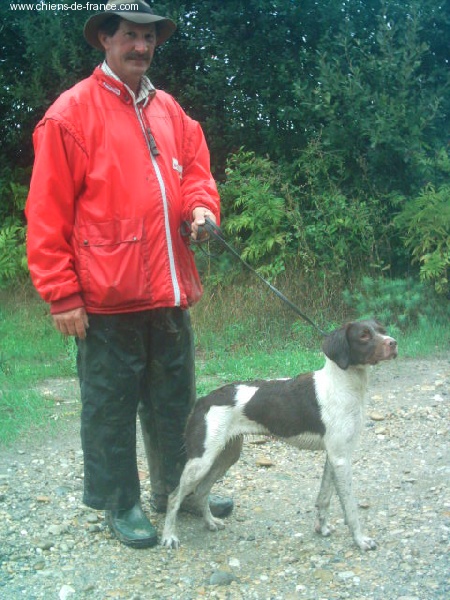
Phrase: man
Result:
[119,167]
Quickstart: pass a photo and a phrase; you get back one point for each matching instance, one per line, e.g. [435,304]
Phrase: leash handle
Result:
[186,231]
[215,232]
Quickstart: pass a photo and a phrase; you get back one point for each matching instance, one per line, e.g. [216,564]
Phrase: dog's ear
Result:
[336,347]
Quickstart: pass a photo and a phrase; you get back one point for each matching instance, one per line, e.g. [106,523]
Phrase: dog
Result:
[321,410]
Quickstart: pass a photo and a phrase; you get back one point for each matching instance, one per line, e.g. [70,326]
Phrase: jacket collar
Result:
[146,92]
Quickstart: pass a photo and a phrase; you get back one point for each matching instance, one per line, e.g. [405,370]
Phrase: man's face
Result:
[130,50]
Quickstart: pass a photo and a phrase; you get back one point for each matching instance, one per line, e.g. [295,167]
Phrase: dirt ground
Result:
[51,546]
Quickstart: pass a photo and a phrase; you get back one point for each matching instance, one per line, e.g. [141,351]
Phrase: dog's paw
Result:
[366,543]
[214,524]
[170,541]
[324,529]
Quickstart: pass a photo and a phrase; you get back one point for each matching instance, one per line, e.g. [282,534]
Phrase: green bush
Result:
[342,229]
[13,194]
[12,253]
[260,215]
[278,216]
[403,303]
[424,224]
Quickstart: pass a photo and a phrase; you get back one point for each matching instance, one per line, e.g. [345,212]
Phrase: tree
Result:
[43,54]
[349,101]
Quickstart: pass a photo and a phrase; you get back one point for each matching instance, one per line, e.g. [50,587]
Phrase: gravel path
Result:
[53,547]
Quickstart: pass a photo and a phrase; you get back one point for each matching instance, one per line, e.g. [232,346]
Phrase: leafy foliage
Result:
[13,194]
[371,101]
[312,224]
[261,214]
[343,232]
[12,252]
[400,302]
[43,53]
[321,118]
[425,221]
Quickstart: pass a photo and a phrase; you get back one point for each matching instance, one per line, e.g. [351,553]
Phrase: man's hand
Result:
[73,322]
[198,219]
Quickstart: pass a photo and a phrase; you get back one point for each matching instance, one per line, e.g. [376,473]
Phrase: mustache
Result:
[137,56]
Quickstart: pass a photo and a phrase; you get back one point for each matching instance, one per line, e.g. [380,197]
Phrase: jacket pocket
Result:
[112,263]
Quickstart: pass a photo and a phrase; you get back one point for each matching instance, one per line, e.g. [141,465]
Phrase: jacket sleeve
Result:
[198,186]
[57,178]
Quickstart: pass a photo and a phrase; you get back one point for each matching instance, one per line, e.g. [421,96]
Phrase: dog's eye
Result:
[365,335]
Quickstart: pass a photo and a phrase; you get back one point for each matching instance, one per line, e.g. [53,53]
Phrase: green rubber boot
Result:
[131,527]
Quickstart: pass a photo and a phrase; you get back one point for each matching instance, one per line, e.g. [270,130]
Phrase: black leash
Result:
[216,233]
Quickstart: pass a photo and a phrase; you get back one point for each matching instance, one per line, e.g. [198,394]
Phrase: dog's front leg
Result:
[323,500]
[342,477]
[193,473]
[169,537]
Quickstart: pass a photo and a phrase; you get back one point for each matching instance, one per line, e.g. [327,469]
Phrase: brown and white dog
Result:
[323,410]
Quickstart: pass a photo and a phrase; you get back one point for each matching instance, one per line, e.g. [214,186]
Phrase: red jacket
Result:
[104,212]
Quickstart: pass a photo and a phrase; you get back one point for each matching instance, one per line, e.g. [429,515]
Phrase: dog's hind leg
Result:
[194,471]
[322,525]
[229,455]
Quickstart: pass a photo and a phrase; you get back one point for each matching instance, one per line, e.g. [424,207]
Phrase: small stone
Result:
[116,594]
[376,416]
[222,578]
[54,530]
[65,592]
[346,575]
[92,518]
[264,462]
[42,499]
[323,575]
[44,544]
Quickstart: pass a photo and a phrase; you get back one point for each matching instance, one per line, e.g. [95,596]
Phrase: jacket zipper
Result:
[153,151]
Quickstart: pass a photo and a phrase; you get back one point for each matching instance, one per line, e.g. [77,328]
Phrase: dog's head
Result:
[359,343]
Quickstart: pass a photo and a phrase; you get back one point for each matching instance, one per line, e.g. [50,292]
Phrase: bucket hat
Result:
[138,11]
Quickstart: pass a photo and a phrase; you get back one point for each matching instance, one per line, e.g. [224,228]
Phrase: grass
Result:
[246,332]
[242,333]
[31,350]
